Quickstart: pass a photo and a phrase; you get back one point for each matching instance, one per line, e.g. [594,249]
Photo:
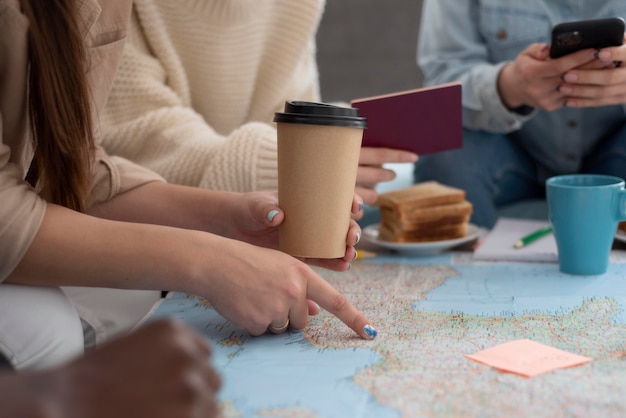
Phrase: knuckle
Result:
[294,289]
[302,270]
[257,329]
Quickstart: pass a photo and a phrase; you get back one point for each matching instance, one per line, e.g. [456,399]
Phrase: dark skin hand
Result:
[161,370]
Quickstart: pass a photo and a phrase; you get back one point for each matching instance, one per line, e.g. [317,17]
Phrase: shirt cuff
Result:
[503,119]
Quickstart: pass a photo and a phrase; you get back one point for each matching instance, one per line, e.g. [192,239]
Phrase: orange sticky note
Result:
[527,358]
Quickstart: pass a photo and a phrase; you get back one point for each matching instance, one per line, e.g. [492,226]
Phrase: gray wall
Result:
[368,47]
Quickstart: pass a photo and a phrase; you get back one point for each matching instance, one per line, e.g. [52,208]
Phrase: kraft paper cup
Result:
[318,157]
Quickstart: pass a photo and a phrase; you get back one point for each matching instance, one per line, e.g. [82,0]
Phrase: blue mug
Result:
[585,210]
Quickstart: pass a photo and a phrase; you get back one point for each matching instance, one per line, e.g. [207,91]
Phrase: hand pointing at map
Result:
[267,289]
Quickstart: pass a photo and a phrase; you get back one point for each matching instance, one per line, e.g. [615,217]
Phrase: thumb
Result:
[263,208]
[541,51]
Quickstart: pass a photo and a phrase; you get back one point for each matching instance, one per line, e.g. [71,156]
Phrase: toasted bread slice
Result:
[426,226]
[444,232]
[439,213]
[425,194]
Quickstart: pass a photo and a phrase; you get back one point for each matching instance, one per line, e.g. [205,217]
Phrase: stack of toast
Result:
[427,211]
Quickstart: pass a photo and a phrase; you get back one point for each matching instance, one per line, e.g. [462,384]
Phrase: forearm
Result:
[169,205]
[75,249]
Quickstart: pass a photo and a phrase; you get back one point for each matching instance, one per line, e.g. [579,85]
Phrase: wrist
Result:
[507,89]
[208,261]
[221,208]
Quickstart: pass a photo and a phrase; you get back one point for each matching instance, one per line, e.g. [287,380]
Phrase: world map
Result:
[430,313]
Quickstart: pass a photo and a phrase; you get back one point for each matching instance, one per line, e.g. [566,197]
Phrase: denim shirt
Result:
[471,40]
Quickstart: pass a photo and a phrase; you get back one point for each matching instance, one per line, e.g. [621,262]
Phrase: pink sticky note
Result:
[527,358]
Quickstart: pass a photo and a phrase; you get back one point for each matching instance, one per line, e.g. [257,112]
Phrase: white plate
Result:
[370,234]
[620,235]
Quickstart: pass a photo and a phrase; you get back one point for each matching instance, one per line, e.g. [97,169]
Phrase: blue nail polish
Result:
[370,331]
[361,206]
[271,215]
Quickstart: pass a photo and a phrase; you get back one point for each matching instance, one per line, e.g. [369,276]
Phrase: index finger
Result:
[334,302]
[380,156]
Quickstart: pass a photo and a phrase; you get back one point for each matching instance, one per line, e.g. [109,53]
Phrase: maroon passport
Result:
[423,121]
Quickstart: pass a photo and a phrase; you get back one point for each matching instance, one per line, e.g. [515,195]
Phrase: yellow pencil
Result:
[361,254]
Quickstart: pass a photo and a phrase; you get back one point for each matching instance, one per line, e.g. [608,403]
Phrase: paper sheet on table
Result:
[527,358]
[498,243]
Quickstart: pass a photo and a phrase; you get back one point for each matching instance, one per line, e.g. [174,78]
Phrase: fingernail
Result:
[596,54]
[358,237]
[271,215]
[370,331]
[546,46]
[603,55]
[361,206]
[570,77]
[565,90]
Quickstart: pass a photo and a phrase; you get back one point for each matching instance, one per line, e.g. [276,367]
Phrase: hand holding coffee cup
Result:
[318,157]
[585,210]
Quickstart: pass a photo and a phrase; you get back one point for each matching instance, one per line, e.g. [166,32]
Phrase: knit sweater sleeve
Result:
[148,121]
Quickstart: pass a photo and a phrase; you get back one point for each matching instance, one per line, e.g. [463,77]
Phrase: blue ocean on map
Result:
[514,289]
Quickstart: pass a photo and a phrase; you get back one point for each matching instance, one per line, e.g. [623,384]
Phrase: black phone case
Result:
[570,37]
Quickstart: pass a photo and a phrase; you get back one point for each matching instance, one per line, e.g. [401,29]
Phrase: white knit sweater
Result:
[200,81]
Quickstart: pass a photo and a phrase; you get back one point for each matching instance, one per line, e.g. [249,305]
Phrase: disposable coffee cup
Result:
[318,157]
[585,210]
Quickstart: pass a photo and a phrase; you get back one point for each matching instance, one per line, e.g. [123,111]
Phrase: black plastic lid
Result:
[320,114]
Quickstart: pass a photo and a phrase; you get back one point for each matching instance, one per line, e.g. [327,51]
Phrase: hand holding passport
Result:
[423,121]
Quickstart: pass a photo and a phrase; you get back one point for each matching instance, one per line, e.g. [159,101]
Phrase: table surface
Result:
[431,311]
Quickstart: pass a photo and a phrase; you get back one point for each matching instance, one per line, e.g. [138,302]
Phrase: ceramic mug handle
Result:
[621,209]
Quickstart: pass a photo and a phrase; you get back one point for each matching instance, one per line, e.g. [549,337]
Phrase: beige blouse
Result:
[21,209]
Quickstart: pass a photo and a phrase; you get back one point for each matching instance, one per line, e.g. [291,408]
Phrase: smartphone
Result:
[570,37]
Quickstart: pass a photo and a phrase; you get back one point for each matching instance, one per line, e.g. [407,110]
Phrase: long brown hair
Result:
[59,103]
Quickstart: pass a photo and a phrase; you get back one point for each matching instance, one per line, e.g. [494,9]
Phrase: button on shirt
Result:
[471,40]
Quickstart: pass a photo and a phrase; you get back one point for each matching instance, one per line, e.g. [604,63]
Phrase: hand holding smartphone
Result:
[570,37]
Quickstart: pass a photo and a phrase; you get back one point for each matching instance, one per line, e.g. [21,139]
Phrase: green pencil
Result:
[533,236]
